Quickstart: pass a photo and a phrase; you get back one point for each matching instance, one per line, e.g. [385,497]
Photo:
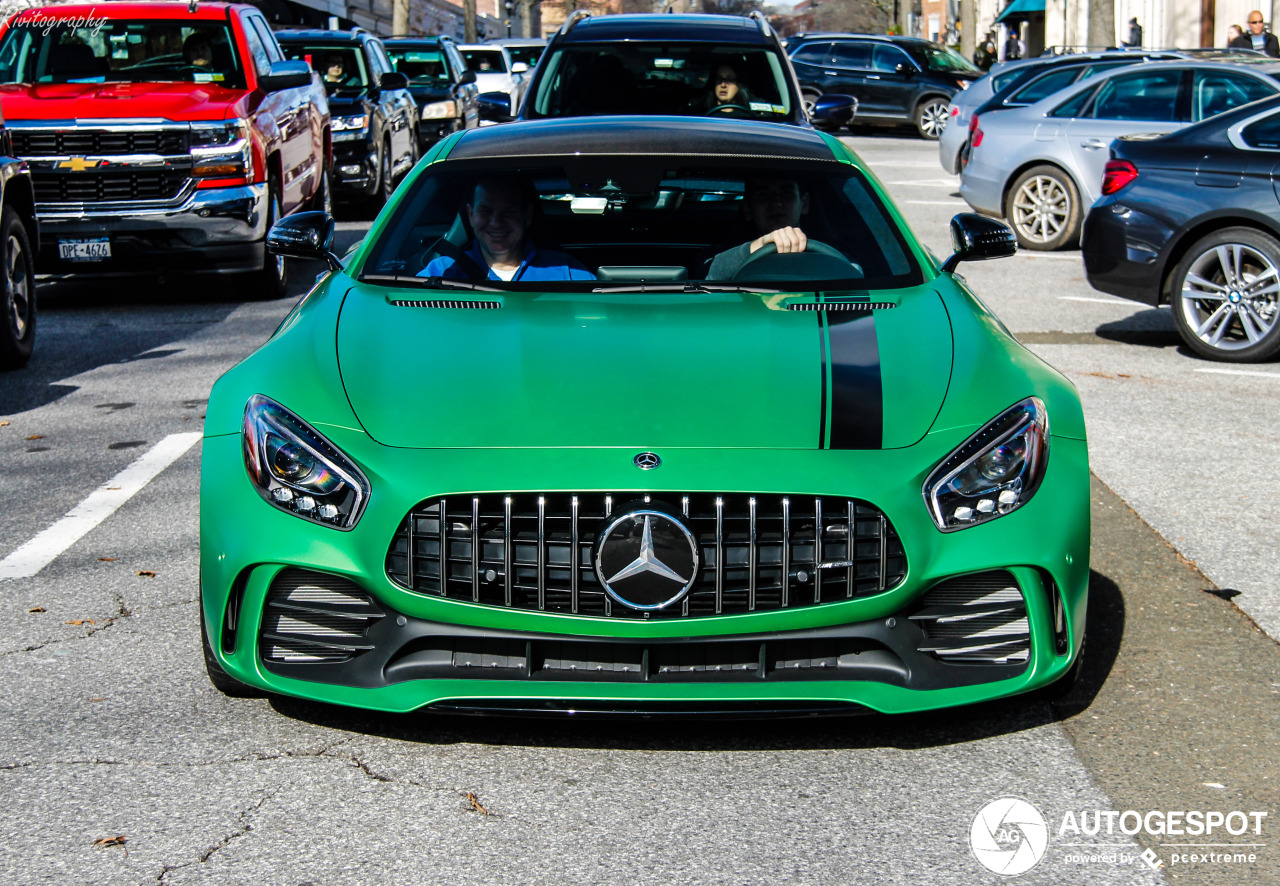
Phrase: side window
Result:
[887,58]
[1213,92]
[268,39]
[1263,134]
[813,53]
[1076,105]
[380,57]
[851,55]
[261,61]
[456,64]
[1044,85]
[1151,96]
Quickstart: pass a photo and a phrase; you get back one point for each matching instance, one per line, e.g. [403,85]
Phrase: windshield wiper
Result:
[689,288]
[426,282]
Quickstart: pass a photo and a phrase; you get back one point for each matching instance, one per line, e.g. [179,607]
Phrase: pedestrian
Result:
[1234,33]
[1135,34]
[1258,38]
[985,55]
[1014,47]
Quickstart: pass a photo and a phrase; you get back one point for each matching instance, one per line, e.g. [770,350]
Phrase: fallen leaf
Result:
[97,699]
[112,488]
[475,804]
[1098,374]
[108,559]
[36,609]
[36,437]
[1122,375]
[80,621]
[146,573]
[4,424]
[119,840]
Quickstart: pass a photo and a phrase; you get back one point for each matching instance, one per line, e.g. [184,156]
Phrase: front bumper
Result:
[355,163]
[206,230]
[1125,250]
[1044,545]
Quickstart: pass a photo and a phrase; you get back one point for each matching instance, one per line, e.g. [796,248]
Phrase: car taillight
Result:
[955,112]
[975,134]
[1116,175]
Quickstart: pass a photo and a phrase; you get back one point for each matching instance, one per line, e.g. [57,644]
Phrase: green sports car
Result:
[661,464]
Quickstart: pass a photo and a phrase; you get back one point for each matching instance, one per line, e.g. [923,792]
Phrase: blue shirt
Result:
[537,265]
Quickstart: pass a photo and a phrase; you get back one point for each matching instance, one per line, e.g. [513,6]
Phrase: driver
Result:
[775,207]
[725,89]
[197,51]
[500,212]
[334,69]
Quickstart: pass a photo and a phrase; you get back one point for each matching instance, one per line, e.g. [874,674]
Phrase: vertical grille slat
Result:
[753,548]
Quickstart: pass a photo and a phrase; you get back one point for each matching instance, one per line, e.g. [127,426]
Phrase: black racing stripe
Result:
[822,401]
[857,397]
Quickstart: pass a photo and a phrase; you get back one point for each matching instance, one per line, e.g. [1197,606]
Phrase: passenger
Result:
[500,212]
[334,69]
[723,89]
[197,51]
[775,207]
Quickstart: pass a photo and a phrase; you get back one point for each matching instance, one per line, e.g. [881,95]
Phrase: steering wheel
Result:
[728,111]
[818,262]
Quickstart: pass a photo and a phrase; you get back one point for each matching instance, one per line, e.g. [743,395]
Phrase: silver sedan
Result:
[1040,166]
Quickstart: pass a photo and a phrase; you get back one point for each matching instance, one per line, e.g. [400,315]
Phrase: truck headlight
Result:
[438,111]
[994,472]
[221,151]
[350,124]
[296,469]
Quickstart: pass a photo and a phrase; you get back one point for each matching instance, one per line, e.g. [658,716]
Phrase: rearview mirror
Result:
[978,238]
[495,107]
[306,235]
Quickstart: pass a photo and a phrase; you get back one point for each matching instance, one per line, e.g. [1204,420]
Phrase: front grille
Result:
[980,618]
[98,142]
[314,617]
[533,551]
[90,186]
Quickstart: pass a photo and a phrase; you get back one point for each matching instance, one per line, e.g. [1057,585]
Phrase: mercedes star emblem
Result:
[647,461]
[646,559]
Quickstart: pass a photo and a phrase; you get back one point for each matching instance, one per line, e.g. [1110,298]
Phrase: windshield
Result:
[656,78]
[485,61]
[527,54]
[423,67]
[120,51]
[340,66]
[941,58]
[639,221]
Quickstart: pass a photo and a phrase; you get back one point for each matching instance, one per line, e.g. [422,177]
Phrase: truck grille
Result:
[98,142]
[533,551]
[90,186]
[976,619]
[314,617]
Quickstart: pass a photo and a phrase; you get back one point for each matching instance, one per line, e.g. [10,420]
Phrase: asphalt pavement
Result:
[122,765]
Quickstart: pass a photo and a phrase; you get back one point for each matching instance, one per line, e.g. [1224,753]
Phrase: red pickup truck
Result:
[162,136]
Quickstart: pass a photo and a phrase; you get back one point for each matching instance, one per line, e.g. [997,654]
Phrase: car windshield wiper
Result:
[426,282]
[690,288]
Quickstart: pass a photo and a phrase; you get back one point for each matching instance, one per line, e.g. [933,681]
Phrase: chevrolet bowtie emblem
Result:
[78,164]
[647,561]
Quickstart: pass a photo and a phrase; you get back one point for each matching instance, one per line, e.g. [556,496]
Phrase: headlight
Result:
[221,150]
[439,111]
[213,135]
[994,472]
[345,124]
[963,84]
[299,471]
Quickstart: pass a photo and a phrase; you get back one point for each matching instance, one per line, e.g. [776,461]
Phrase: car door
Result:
[398,107]
[299,156]
[847,72]
[893,82]
[464,93]
[1125,104]
[1262,138]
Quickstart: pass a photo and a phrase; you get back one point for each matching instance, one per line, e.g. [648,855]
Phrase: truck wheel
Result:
[322,199]
[18,319]
[386,183]
[272,281]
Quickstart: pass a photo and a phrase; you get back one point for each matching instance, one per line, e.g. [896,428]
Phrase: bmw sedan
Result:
[1040,166]
[560,435]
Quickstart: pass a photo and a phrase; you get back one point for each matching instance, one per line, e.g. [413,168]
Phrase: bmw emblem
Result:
[646,559]
[647,461]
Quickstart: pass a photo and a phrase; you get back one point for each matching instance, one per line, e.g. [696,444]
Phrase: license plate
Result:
[98,249]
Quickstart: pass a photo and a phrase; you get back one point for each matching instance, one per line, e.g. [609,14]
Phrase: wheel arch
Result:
[19,194]
[1183,242]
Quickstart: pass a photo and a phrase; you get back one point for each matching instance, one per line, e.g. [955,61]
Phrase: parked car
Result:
[440,82]
[1192,220]
[161,138]
[375,119]
[1039,166]
[896,80]
[19,240]
[890,514]
[667,64]
[496,72]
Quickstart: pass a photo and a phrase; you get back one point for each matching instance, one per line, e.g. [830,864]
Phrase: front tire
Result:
[221,680]
[18,319]
[1043,208]
[1225,295]
[931,117]
[272,280]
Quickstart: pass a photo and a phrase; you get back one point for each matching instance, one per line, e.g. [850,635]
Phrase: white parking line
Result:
[38,553]
[929,183]
[934,202]
[1096,301]
[1274,375]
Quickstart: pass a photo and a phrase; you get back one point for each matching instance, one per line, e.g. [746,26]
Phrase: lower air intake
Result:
[976,619]
[314,617]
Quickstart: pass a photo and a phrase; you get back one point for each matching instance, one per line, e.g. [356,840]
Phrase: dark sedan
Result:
[1192,220]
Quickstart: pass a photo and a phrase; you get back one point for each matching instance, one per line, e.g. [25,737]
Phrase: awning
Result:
[1020,9]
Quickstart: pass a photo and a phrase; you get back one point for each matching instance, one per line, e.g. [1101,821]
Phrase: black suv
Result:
[715,65]
[375,132]
[896,80]
[439,82]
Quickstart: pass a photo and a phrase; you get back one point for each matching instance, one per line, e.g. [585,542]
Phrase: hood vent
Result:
[978,619]
[842,306]
[440,303]
[314,617]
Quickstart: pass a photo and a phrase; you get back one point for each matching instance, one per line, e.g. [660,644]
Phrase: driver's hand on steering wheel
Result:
[785,239]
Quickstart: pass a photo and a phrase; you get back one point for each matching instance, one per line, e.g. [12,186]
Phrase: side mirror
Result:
[286,75]
[519,67]
[834,108]
[978,238]
[904,69]
[495,107]
[468,76]
[393,80]
[306,235]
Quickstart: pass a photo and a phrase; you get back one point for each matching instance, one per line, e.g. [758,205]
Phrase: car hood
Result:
[426,94]
[346,105]
[648,370]
[71,101]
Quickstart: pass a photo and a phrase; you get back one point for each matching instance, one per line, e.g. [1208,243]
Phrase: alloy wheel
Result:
[1229,296]
[17,288]
[933,119]
[1041,208]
